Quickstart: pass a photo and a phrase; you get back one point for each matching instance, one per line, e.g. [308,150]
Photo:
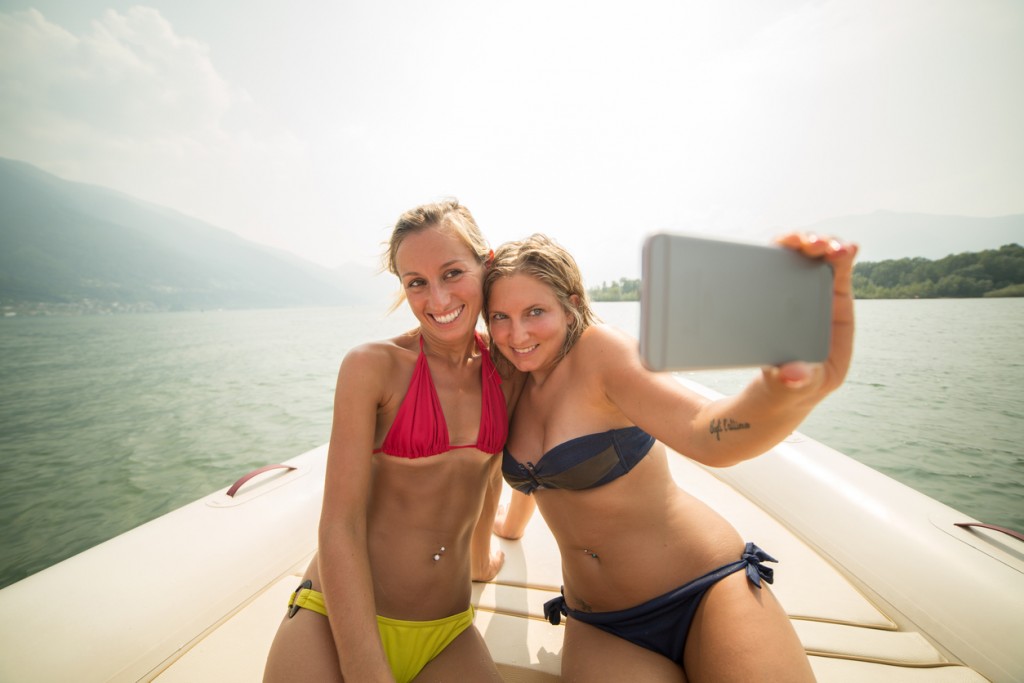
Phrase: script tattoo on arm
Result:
[726,425]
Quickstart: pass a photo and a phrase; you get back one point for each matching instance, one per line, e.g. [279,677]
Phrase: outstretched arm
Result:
[781,397]
[736,428]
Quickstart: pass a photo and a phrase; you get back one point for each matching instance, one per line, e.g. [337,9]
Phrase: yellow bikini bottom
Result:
[409,645]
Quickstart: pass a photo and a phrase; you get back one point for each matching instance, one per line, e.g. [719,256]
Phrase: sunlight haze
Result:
[309,126]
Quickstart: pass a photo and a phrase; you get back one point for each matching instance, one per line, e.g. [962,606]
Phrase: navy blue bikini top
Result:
[581,463]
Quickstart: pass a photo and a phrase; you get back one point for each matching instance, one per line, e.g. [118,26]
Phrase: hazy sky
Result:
[310,126]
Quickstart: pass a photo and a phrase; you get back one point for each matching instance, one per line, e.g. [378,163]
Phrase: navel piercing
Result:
[438,554]
[592,554]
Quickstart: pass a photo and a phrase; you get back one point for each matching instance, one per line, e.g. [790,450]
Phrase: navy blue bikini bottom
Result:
[662,624]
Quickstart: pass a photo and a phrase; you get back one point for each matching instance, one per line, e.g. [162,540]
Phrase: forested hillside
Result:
[993,272]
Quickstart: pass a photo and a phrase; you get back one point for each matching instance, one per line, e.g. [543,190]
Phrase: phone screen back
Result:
[709,303]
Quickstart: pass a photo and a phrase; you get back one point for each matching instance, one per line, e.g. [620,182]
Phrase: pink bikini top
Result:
[420,430]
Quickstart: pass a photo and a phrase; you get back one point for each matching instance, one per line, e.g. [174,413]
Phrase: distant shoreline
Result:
[858,298]
[993,273]
[71,311]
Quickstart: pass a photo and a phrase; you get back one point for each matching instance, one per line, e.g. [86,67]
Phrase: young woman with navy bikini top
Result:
[657,585]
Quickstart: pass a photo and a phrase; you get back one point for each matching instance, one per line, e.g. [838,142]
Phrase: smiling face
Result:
[442,280]
[528,324]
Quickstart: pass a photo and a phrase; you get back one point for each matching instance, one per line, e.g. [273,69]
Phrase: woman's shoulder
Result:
[383,355]
[602,340]
[601,356]
[606,354]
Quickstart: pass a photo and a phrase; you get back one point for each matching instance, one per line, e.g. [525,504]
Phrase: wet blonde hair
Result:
[542,258]
[446,215]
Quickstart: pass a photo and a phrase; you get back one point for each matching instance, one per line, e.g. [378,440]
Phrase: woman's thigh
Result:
[465,659]
[303,650]
[741,633]
[590,654]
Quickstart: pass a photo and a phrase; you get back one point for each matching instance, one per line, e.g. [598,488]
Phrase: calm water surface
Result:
[107,422]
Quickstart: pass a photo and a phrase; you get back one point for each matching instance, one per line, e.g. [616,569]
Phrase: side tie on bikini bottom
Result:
[662,623]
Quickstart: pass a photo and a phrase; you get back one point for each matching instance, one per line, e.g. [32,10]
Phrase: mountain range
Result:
[66,244]
[886,235]
[72,246]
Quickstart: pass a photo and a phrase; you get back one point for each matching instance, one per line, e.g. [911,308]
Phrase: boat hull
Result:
[878,581]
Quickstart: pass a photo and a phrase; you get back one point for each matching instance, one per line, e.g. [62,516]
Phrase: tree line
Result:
[989,273]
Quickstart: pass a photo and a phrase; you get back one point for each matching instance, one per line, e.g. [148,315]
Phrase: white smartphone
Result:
[708,303]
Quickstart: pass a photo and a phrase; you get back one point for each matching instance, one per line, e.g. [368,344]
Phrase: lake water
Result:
[107,422]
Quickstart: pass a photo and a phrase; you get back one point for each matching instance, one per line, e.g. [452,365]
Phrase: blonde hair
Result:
[542,258]
[447,215]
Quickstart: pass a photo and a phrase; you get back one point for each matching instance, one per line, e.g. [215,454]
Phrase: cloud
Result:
[594,121]
[129,80]
[132,105]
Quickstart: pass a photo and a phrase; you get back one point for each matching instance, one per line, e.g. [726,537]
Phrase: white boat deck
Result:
[847,637]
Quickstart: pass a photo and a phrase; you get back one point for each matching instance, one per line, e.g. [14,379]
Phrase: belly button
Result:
[591,553]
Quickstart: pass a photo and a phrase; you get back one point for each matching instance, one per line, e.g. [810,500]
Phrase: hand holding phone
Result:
[708,303]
